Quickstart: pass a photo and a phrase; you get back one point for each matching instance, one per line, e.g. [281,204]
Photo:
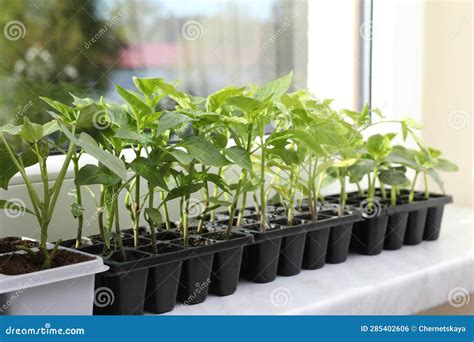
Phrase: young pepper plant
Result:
[256,106]
[426,162]
[37,145]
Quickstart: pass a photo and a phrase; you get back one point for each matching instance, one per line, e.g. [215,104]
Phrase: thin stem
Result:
[310,191]
[100,217]
[165,211]
[383,190]
[371,194]
[342,197]
[118,235]
[393,196]
[136,210]
[35,201]
[317,192]
[205,202]
[80,219]
[56,189]
[186,207]
[215,193]
[50,256]
[411,197]
[263,218]
[151,196]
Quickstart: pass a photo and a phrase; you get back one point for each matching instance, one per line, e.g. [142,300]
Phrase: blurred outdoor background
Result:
[421,56]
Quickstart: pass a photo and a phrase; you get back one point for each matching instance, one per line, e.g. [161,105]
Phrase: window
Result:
[54,47]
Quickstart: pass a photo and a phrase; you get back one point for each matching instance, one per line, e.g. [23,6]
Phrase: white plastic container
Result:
[66,290]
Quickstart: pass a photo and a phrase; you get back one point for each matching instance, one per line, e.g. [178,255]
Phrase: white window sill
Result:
[401,282]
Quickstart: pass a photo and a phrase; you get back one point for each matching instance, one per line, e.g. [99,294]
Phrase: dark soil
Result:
[308,217]
[194,242]
[130,255]
[12,244]
[166,236]
[130,242]
[221,236]
[257,228]
[162,248]
[92,249]
[14,264]
[245,221]
[284,222]
[141,231]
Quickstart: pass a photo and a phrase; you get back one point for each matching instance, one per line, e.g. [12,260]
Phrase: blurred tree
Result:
[47,49]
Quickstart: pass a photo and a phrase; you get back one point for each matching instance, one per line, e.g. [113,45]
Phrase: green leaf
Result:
[8,169]
[379,146]
[435,176]
[217,99]
[344,163]
[67,113]
[92,117]
[402,155]
[393,177]
[11,129]
[275,89]
[31,132]
[361,168]
[133,136]
[81,101]
[50,128]
[92,174]
[154,215]
[238,155]
[147,85]
[8,205]
[246,104]
[213,178]
[184,190]
[170,120]
[205,152]
[181,156]
[221,203]
[170,90]
[138,107]
[147,169]
[445,165]
[88,144]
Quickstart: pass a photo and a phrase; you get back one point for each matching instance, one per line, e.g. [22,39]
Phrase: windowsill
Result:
[406,281]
